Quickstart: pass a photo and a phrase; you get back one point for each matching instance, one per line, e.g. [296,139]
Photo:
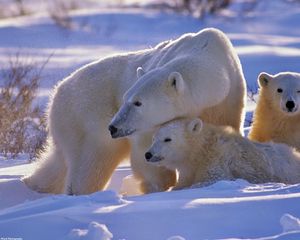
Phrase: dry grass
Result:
[22,125]
[197,8]
[13,8]
[59,11]
[203,7]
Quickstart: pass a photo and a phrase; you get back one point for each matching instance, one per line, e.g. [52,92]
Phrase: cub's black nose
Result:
[112,129]
[290,105]
[148,155]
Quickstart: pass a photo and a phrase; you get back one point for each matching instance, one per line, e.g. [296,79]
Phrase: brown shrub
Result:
[22,124]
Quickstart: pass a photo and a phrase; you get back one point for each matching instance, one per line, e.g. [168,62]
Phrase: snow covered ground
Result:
[266,40]
[224,210]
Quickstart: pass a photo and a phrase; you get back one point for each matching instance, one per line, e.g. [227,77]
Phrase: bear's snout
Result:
[290,106]
[152,158]
[113,130]
[116,132]
[148,155]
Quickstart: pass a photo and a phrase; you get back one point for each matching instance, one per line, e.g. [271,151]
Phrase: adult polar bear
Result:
[197,74]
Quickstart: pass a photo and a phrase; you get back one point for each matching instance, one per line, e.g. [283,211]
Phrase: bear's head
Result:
[157,97]
[282,91]
[172,142]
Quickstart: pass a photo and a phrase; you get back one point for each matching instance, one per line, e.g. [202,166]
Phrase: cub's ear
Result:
[264,79]
[176,81]
[140,72]
[195,126]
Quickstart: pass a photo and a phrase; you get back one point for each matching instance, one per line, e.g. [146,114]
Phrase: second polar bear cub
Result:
[277,115]
[204,153]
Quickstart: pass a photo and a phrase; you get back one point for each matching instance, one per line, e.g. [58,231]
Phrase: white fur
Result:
[208,82]
[272,120]
[207,72]
[203,153]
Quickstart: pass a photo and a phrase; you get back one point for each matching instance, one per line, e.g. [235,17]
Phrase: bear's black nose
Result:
[148,155]
[290,105]
[112,129]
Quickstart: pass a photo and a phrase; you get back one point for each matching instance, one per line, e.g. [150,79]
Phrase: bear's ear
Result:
[264,79]
[195,126]
[176,81]
[140,72]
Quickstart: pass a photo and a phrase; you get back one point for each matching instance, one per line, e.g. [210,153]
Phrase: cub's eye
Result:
[167,140]
[137,103]
[298,91]
[279,90]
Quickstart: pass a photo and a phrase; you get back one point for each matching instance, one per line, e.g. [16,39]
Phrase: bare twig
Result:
[59,11]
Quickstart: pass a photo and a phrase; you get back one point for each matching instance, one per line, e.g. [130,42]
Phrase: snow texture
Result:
[95,231]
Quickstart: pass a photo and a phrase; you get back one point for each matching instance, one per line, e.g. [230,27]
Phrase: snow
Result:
[266,40]
[289,223]
[95,231]
[226,209]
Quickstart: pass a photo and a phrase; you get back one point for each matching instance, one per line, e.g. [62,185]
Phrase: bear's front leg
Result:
[91,164]
[186,178]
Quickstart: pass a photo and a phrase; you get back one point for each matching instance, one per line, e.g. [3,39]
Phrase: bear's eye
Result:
[167,140]
[298,91]
[279,90]
[137,103]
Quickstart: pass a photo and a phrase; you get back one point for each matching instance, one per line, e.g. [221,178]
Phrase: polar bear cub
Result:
[203,153]
[277,115]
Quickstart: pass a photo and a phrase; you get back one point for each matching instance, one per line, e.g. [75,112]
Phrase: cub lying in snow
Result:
[203,153]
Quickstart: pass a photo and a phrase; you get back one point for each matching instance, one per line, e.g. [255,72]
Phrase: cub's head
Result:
[283,91]
[172,142]
[157,97]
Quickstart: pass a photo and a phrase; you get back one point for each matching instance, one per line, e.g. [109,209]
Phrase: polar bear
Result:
[277,115]
[196,74]
[203,154]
